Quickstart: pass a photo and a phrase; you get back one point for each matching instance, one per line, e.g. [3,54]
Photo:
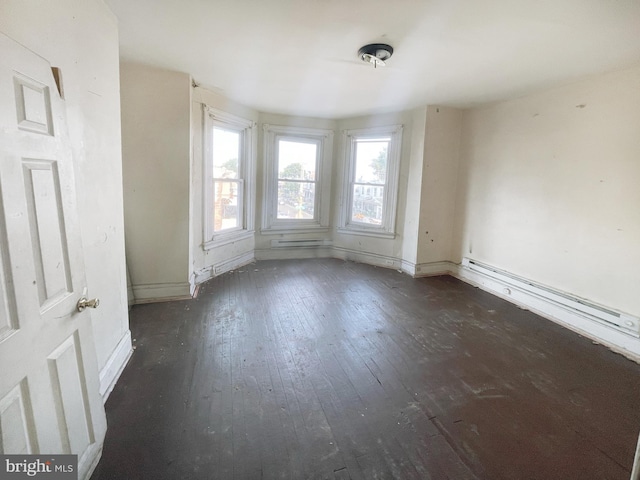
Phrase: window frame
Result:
[324,141]
[390,196]
[212,118]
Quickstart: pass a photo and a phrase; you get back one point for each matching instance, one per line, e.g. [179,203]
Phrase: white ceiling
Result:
[299,57]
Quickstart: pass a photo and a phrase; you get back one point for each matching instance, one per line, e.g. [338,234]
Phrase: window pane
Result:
[367,204]
[226,151]
[225,205]
[296,199]
[371,161]
[297,160]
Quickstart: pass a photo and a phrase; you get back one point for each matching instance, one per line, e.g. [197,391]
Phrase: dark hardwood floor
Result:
[329,369]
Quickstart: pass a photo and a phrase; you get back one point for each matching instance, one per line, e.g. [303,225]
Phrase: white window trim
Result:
[270,223]
[246,163]
[387,229]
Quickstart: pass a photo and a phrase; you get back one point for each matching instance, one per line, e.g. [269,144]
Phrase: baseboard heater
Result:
[300,243]
[621,321]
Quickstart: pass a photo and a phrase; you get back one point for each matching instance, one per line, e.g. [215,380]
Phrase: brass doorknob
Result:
[84,302]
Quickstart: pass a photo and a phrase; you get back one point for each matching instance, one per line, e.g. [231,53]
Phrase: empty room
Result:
[318,239]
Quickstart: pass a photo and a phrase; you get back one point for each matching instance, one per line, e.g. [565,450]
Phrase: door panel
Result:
[8,313]
[70,393]
[16,421]
[49,388]
[47,230]
[33,105]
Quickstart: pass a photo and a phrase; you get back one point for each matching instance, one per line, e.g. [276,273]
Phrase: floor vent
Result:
[621,321]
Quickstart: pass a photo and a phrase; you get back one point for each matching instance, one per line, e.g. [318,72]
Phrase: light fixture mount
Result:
[376,54]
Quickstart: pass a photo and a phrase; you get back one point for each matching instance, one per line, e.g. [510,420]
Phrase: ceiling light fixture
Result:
[376,54]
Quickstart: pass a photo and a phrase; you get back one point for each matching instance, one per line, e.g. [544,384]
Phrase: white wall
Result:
[550,188]
[414,185]
[81,38]
[156,155]
[439,184]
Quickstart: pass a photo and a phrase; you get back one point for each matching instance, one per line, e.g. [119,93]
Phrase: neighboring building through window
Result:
[371,181]
[297,161]
[228,185]
[297,177]
[228,168]
[371,159]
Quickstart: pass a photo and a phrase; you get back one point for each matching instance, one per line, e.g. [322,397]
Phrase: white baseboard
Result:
[219,268]
[408,267]
[88,462]
[232,264]
[203,275]
[435,268]
[293,253]
[366,257]
[514,290]
[161,292]
[419,270]
[428,269]
[117,361]
[193,286]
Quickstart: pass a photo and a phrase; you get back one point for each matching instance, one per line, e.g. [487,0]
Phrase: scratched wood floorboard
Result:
[324,369]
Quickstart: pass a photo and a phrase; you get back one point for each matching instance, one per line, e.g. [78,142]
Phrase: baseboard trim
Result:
[232,264]
[616,340]
[435,268]
[216,269]
[111,372]
[292,253]
[94,453]
[202,275]
[408,267]
[367,257]
[386,261]
[161,292]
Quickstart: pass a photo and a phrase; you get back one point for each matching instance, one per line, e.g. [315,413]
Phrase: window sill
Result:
[227,238]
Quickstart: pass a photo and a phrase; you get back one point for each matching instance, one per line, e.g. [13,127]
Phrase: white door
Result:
[49,389]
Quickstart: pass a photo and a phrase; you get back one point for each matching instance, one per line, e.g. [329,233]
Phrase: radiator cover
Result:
[621,321]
